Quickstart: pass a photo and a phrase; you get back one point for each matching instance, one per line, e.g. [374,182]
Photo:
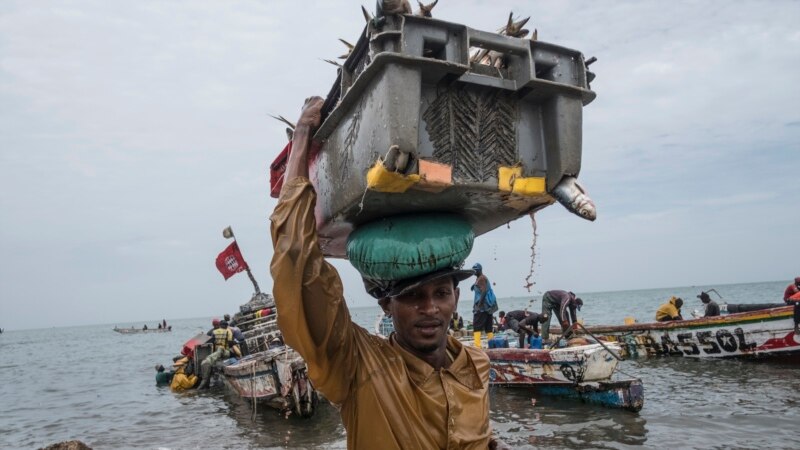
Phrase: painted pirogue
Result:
[767,332]
[272,372]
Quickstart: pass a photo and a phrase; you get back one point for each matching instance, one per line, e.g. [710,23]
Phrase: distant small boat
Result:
[761,332]
[133,330]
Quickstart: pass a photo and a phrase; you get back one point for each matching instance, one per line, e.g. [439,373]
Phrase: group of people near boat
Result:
[561,304]
[671,310]
[227,340]
[161,326]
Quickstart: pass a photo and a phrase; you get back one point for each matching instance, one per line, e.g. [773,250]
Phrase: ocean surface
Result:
[95,385]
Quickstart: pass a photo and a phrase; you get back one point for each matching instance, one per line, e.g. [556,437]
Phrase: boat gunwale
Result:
[765,315]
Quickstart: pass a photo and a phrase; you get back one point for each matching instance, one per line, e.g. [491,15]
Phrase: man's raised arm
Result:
[312,314]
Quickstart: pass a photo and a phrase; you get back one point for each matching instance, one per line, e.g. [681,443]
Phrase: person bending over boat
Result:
[712,308]
[223,340]
[670,310]
[516,321]
[564,306]
[421,389]
[529,327]
[791,291]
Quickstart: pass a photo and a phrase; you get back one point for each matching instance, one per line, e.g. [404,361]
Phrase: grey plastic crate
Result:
[411,84]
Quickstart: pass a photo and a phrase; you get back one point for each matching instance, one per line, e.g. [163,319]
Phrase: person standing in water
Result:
[483,307]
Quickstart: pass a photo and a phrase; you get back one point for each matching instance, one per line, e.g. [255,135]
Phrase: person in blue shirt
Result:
[482,314]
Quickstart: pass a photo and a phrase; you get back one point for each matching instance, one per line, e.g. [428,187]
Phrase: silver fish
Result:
[514,29]
[497,59]
[574,197]
[367,16]
[349,48]
[385,7]
[289,129]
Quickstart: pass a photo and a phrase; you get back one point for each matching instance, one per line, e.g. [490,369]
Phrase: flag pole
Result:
[228,234]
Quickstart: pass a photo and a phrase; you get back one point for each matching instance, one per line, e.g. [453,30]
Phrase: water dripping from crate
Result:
[529,282]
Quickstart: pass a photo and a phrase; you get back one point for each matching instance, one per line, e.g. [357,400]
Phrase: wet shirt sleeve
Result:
[312,313]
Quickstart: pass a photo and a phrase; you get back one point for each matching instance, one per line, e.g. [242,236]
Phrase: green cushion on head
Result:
[406,246]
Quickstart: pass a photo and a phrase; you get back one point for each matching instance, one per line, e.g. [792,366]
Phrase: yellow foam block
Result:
[382,180]
[510,179]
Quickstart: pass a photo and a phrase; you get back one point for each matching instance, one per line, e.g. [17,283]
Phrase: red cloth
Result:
[230,261]
[278,167]
[790,291]
[795,298]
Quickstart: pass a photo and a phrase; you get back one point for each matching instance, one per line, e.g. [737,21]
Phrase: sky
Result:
[132,133]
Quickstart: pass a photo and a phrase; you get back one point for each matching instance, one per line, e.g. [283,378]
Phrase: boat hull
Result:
[276,377]
[623,394]
[768,332]
[582,372]
[527,367]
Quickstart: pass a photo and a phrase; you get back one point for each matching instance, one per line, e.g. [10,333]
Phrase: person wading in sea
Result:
[421,389]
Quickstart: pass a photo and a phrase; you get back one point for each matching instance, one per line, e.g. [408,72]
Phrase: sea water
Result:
[98,386]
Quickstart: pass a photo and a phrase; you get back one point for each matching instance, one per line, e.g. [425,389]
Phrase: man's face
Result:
[421,316]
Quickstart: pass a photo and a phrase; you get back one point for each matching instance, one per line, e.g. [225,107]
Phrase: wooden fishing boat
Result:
[625,394]
[581,372]
[767,332]
[268,372]
[277,377]
[515,366]
[133,330]
[271,373]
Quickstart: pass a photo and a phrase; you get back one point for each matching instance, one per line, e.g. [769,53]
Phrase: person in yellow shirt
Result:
[420,389]
[183,379]
[670,310]
[223,340]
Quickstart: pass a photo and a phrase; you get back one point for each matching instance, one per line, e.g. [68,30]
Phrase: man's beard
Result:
[428,348]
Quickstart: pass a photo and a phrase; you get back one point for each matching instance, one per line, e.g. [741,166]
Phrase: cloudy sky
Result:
[132,133]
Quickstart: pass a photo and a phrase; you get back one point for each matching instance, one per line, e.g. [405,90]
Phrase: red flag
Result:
[230,261]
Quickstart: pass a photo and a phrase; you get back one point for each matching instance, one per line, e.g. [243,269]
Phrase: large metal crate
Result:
[410,84]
